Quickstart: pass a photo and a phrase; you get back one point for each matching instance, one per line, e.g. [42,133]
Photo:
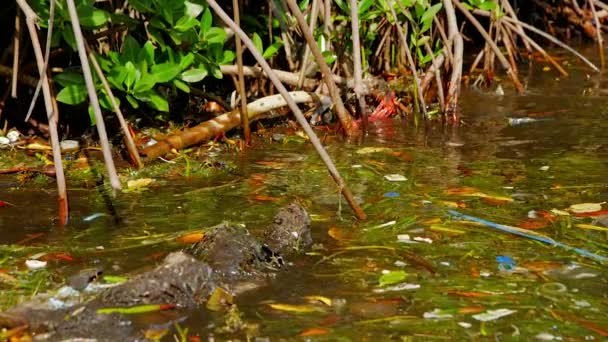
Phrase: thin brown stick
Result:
[241,77]
[314,12]
[454,36]
[542,51]
[410,60]
[133,154]
[490,42]
[16,42]
[544,35]
[507,6]
[94,101]
[296,110]
[47,56]
[30,20]
[598,31]
[358,72]
[440,94]
[344,116]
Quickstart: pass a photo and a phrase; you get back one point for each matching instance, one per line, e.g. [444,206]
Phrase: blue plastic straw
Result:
[514,231]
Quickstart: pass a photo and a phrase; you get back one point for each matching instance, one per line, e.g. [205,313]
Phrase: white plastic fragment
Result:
[544,168]
[4,141]
[492,315]
[465,325]
[398,287]
[395,178]
[437,314]
[35,264]
[445,263]
[405,238]
[400,263]
[547,337]
[13,136]
[423,239]
[69,145]
[582,303]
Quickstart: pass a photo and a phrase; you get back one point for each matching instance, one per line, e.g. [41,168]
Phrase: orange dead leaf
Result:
[314,332]
[495,200]
[191,237]
[471,309]
[547,215]
[474,272]
[532,224]
[57,256]
[468,294]
[464,190]
[592,213]
[339,234]
[539,266]
[404,156]
[266,198]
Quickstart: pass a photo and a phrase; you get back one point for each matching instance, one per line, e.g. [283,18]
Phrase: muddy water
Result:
[443,279]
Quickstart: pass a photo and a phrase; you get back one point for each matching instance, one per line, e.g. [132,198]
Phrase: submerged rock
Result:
[228,256]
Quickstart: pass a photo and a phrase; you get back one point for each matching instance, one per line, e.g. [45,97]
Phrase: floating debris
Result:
[395,178]
[492,315]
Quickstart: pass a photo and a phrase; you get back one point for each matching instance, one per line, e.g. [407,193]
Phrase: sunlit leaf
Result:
[191,237]
[317,298]
[295,308]
[219,300]
[136,309]
[72,94]
[314,332]
[392,277]
[139,183]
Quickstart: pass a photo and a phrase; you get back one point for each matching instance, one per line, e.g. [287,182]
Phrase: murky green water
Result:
[450,273]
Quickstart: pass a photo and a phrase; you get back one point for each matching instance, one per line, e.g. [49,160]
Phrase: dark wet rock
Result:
[227,256]
[180,279]
[231,251]
[289,231]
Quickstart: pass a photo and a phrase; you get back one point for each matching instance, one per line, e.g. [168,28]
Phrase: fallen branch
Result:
[225,122]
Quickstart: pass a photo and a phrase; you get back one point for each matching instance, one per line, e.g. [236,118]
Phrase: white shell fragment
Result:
[35,264]
[13,136]
[395,178]
[69,145]
[4,141]
[491,315]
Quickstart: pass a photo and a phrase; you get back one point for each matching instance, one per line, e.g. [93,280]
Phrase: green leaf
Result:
[130,75]
[215,35]
[141,5]
[206,22]
[104,101]
[257,41]
[72,94]
[181,86]
[194,75]
[91,115]
[272,50]
[92,17]
[145,83]
[392,277]
[227,57]
[430,13]
[185,23]
[130,49]
[68,36]
[186,61]
[165,72]
[488,6]
[193,9]
[154,100]
[68,78]
[147,53]
[133,102]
